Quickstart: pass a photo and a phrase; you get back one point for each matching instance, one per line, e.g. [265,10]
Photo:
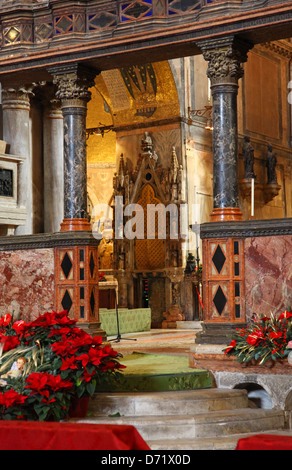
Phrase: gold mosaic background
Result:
[127,97]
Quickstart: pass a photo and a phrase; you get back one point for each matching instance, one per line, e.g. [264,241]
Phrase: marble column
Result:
[225,58]
[76,265]
[53,166]
[16,132]
[223,258]
[73,83]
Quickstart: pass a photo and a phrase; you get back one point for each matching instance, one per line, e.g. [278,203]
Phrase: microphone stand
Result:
[119,338]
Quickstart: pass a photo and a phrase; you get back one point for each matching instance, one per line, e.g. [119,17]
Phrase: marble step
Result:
[167,403]
[199,425]
[201,443]
[209,443]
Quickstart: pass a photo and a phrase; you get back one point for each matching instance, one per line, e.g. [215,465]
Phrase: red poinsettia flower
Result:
[10,342]
[45,400]
[108,351]
[84,358]
[37,381]
[95,355]
[86,376]
[62,331]
[55,382]
[69,363]
[11,397]
[63,319]
[97,340]
[231,346]
[111,365]
[61,348]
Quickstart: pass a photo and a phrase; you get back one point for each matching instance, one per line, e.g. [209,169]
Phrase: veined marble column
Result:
[73,83]
[76,265]
[53,167]
[16,132]
[223,257]
[225,58]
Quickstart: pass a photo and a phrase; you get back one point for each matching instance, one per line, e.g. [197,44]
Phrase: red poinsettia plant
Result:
[266,338]
[57,361]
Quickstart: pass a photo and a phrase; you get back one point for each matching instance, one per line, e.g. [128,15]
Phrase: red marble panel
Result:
[268,274]
[27,282]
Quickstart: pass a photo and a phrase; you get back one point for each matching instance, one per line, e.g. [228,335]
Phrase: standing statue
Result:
[248,153]
[191,264]
[271,162]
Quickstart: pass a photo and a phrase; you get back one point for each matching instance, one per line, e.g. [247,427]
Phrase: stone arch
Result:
[288,401]
[257,394]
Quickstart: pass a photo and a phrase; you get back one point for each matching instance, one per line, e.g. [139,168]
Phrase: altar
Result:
[108,293]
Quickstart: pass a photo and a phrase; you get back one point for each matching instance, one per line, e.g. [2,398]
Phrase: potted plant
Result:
[61,363]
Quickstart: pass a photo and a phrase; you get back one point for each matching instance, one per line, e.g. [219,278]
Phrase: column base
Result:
[225,214]
[75,225]
[93,329]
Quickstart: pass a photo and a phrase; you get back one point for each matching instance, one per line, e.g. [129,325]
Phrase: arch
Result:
[257,395]
[288,401]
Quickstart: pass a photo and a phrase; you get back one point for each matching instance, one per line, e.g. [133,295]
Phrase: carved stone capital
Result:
[73,83]
[17,97]
[225,58]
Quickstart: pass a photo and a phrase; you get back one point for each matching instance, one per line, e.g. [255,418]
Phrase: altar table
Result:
[265,442]
[36,435]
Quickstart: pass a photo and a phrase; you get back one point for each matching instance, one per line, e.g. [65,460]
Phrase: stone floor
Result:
[162,341]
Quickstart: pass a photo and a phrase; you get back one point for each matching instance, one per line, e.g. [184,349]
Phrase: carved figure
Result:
[105,253]
[248,153]
[191,264]
[147,142]
[271,162]
[15,371]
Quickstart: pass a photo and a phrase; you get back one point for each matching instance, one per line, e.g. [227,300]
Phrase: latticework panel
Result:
[149,253]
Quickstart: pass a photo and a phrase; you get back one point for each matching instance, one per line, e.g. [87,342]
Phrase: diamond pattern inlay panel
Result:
[76,281]
[219,259]
[67,301]
[66,265]
[220,300]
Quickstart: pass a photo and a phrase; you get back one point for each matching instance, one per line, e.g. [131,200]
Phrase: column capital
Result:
[73,83]
[17,97]
[225,57]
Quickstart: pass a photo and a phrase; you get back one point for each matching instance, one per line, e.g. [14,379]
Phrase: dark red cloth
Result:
[31,435]
[265,442]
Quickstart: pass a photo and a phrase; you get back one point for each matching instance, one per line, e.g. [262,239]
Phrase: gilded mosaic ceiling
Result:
[138,93]
[129,97]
